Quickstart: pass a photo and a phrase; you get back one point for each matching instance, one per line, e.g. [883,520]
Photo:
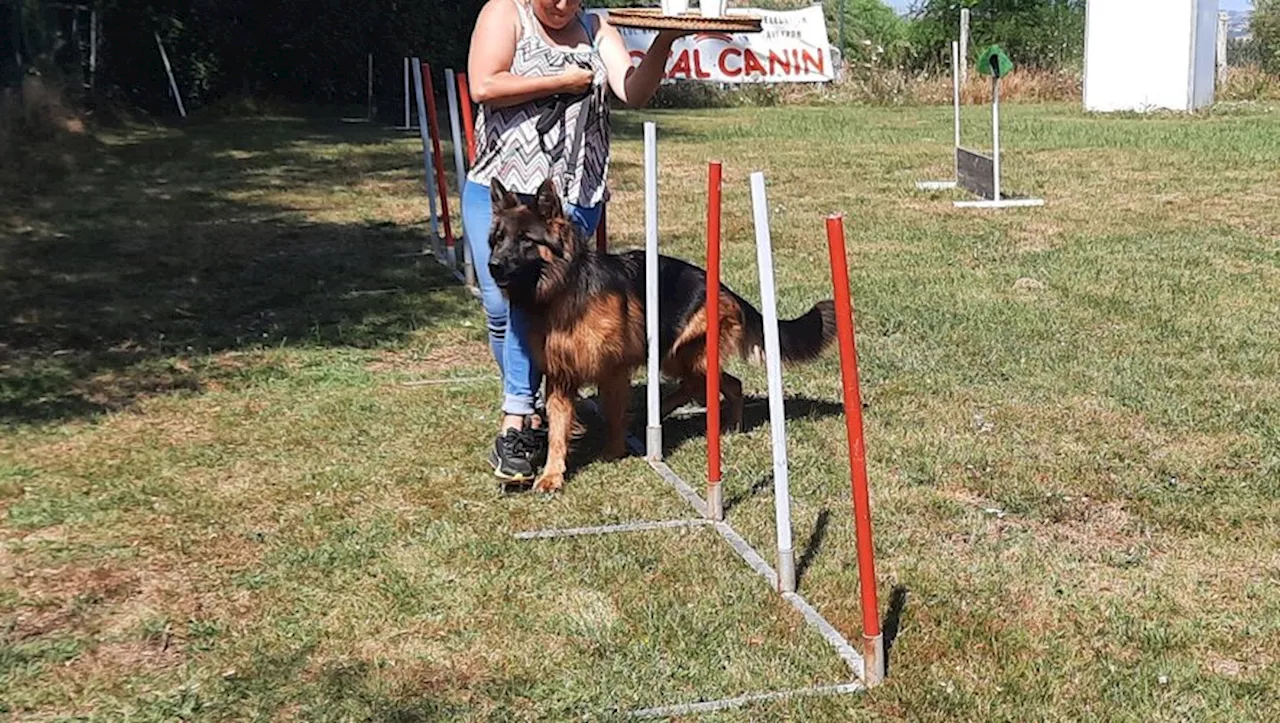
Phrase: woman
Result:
[540,71]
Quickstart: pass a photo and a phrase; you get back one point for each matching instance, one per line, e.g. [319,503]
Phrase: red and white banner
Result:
[792,48]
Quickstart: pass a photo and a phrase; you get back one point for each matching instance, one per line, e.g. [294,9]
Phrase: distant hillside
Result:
[1238,23]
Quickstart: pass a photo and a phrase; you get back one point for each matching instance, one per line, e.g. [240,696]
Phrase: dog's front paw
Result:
[614,452]
[549,483]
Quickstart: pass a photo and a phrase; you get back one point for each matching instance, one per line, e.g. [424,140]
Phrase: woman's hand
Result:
[576,80]
[669,37]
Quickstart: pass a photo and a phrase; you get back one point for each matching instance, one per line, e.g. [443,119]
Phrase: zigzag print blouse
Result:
[508,144]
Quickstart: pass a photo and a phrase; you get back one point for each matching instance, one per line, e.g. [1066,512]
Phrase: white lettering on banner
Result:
[792,47]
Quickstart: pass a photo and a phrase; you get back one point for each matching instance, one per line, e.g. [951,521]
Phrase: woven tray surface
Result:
[653,19]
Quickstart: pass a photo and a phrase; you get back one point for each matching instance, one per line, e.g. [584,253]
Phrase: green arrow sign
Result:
[995,62]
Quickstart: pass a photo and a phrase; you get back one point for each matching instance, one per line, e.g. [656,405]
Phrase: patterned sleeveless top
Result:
[510,147]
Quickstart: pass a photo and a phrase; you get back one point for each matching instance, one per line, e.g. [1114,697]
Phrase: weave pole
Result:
[773,365]
[995,135]
[872,639]
[955,105]
[428,160]
[441,185]
[455,127]
[407,120]
[468,121]
[653,436]
[602,229]
[459,164]
[715,492]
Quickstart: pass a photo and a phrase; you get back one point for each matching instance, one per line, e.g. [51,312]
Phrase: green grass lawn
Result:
[218,501]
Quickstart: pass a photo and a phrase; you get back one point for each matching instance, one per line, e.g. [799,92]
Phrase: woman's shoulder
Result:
[500,10]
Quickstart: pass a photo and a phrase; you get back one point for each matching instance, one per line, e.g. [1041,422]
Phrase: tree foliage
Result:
[1265,28]
[1035,33]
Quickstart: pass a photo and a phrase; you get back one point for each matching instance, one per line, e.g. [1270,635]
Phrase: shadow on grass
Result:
[892,622]
[585,448]
[755,414]
[811,547]
[170,246]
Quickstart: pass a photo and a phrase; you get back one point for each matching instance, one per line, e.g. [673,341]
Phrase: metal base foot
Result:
[786,571]
[653,446]
[935,185]
[715,501]
[1002,203]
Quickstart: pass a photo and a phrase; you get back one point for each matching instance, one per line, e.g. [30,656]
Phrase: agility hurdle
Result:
[867,666]
[973,170]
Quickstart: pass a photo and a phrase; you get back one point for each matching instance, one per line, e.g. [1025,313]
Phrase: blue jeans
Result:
[521,377]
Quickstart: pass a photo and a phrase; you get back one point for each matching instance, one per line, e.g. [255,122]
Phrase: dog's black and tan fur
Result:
[587,320]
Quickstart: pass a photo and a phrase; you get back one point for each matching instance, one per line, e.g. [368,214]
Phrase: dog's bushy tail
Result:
[801,339]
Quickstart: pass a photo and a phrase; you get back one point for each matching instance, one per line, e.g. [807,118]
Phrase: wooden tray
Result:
[653,19]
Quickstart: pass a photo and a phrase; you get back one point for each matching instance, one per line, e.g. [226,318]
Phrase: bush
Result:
[1265,27]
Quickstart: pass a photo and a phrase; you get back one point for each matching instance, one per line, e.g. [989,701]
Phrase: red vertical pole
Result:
[468,122]
[873,643]
[715,494]
[433,122]
[602,232]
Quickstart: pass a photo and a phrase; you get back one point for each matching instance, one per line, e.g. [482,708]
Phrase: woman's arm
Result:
[635,85]
[493,46]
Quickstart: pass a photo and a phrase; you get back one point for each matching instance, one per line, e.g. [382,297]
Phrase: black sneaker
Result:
[518,455]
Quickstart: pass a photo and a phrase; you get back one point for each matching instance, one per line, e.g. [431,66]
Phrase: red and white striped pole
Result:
[872,639]
[715,492]
[441,187]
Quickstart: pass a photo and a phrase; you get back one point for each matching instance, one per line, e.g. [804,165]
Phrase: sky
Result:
[901,5]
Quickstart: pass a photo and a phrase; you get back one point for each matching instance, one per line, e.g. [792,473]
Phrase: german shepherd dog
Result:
[587,320]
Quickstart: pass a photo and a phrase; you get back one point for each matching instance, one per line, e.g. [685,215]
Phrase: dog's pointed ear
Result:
[501,198]
[548,201]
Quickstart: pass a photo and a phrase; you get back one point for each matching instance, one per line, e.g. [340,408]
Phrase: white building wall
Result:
[1149,54]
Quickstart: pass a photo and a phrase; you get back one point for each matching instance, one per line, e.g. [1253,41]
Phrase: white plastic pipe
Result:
[995,135]
[955,99]
[654,430]
[773,366]
[408,123]
[428,162]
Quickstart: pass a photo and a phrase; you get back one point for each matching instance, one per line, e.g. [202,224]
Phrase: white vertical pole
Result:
[168,69]
[93,47]
[459,163]
[370,86]
[1222,47]
[654,430]
[408,122]
[428,164]
[955,101]
[995,133]
[773,365]
[964,45]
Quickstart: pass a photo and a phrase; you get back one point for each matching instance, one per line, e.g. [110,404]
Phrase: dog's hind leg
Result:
[615,393]
[560,410]
[682,396]
[731,389]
